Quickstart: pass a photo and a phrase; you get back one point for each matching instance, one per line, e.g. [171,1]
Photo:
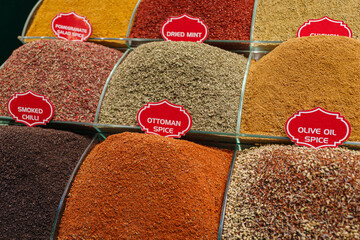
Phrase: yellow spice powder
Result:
[109,19]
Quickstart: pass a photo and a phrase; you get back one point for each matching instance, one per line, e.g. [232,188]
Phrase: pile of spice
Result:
[302,74]
[35,165]
[206,80]
[278,20]
[291,192]
[226,20]
[70,74]
[137,186]
[108,18]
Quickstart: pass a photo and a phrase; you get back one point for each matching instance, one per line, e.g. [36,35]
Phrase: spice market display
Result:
[226,20]
[302,74]
[109,18]
[204,79]
[35,166]
[277,20]
[292,192]
[139,186]
[70,74]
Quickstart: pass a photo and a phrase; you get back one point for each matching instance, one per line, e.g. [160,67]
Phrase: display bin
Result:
[223,43]
[114,42]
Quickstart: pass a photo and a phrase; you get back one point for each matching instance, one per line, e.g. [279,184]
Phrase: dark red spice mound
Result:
[70,74]
[225,19]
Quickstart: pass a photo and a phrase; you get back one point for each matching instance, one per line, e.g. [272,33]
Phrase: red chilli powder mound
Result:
[225,19]
[137,186]
[70,74]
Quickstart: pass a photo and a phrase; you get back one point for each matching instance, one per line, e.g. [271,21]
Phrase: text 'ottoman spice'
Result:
[302,74]
[205,80]
[291,192]
[35,165]
[70,74]
[137,186]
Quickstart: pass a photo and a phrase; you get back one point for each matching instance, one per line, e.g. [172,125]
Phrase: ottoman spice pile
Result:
[138,186]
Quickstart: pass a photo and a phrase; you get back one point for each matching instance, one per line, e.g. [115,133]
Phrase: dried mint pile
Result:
[226,20]
[279,20]
[35,165]
[291,192]
[204,79]
[302,74]
[71,75]
[139,186]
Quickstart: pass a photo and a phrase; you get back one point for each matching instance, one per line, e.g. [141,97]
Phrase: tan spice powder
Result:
[291,192]
[302,74]
[137,186]
[279,20]
[109,18]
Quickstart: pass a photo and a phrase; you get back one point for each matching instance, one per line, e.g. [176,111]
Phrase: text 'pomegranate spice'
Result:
[225,19]
[291,192]
[137,186]
[70,74]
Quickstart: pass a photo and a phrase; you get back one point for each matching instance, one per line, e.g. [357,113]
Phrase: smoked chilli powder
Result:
[138,186]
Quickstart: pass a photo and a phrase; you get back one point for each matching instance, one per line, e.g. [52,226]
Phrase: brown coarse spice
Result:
[292,192]
[70,74]
[137,186]
[205,80]
[279,20]
[302,74]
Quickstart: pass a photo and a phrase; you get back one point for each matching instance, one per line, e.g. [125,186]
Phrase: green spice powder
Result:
[278,20]
[204,79]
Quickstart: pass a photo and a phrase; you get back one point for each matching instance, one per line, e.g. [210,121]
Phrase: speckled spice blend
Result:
[302,74]
[137,186]
[35,165]
[278,20]
[204,79]
[71,74]
[108,18]
[229,19]
[291,192]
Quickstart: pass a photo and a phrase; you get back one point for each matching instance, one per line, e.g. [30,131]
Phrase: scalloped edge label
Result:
[184,28]
[164,119]
[324,26]
[30,108]
[318,128]
[71,26]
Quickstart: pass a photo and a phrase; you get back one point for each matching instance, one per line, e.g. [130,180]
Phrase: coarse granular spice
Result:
[108,18]
[137,186]
[292,192]
[226,20]
[279,20]
[302,74]
[35,165]
[71,75]
[206,80]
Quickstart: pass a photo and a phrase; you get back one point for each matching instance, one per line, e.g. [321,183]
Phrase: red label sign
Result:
[30,108]
[184,28]
[70,26]
[318,128]
[164,119]
[324,26]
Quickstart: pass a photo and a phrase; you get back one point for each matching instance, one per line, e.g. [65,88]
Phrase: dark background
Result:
[13,15]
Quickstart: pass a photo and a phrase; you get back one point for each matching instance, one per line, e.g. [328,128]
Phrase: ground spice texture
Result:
[206,80]
[291,192]
[279,20]
[70,74]
[302,74]
[108,18]
[226,20]
[137,186]
[35,165]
